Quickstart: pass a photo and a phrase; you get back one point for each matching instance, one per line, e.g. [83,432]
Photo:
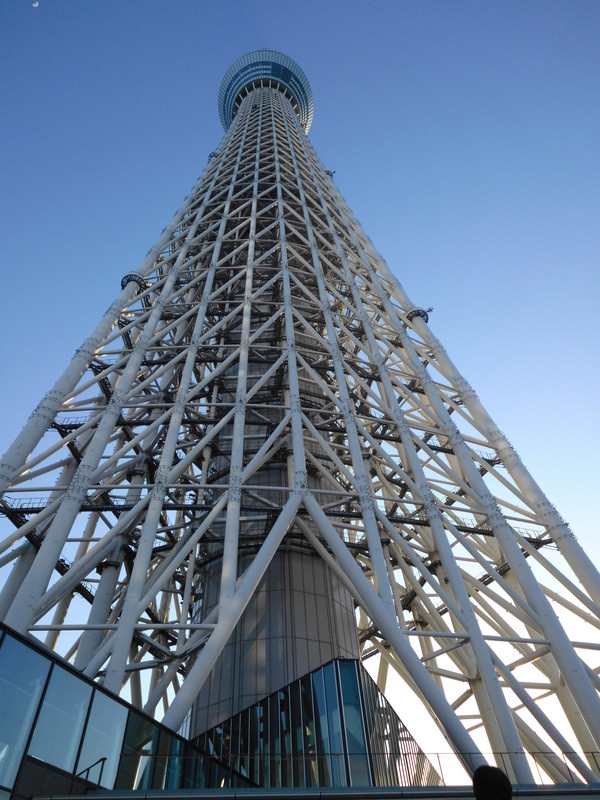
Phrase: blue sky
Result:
[464,135]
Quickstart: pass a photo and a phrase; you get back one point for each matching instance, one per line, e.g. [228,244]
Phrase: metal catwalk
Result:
[262,409]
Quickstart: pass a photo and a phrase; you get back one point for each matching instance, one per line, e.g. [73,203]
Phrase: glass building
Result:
[333,727]
[61,733]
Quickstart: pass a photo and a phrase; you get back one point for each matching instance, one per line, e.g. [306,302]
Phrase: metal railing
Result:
[85,773]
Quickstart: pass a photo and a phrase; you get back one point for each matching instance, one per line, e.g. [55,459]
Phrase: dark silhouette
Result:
[490,783]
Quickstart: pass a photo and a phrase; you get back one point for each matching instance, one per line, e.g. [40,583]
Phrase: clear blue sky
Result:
[465,136]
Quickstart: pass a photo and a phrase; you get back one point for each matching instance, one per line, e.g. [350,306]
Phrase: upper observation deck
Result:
[265,68]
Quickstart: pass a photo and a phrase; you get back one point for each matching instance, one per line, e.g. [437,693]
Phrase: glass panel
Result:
[321,728]
[370,709]
[226,741]
[58,730]
[99,757]
[135,766]
[234,743]
[308,720]
[196,770]
[264,743]
[254,721]
[354,725]
[175,764]
[161,759]
[23,674]
[275,751]
[217,741]
[285,738]
[243,743]
[338,765]
[37,779]
[297,734]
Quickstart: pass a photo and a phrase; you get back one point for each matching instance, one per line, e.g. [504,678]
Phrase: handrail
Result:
[101,761]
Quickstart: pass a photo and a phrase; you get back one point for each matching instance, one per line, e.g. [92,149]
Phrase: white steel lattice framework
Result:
[262,329]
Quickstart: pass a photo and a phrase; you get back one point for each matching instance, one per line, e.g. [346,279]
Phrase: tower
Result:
[262,460]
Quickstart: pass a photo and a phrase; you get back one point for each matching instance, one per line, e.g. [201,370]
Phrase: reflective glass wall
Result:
[332,727]
[60,732]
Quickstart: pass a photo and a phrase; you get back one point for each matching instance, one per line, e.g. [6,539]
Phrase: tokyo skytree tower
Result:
[262,459]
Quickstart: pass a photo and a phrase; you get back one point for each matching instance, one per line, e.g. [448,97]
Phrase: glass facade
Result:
[59,725]
[101,747]
[60,733]
[23,675]
[333,727]
[273,68]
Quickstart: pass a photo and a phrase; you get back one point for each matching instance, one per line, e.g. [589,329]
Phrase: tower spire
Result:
[263,460]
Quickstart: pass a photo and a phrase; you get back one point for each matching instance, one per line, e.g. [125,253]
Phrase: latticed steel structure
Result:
[262,461]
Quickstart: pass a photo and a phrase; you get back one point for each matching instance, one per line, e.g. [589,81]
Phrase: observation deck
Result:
[265,68]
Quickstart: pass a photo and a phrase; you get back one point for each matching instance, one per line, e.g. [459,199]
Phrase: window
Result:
[23,674]
[58,730]
[99,757]
[353,725]
[139,749]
